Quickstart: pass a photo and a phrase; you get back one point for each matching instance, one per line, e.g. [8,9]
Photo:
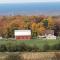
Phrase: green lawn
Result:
[37,42]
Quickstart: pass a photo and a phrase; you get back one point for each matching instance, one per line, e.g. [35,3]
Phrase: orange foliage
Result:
[50,22]
[41,30]
[25,22]
[33,26]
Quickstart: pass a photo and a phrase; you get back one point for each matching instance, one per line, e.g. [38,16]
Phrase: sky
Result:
[27,1]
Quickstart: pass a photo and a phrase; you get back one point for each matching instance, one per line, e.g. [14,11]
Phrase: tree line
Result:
[37,24]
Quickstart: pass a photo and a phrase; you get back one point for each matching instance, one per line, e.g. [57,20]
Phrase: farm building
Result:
[50,34]
[22,34]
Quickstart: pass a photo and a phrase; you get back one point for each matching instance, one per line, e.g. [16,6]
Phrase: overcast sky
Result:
[27,1]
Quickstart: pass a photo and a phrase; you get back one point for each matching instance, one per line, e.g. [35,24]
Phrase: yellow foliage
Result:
[41,30]
[39,25]
[50,21]
[34,26]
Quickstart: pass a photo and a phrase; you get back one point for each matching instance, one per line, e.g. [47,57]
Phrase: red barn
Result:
[22,34]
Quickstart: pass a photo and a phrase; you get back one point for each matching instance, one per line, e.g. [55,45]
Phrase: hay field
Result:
[39,56]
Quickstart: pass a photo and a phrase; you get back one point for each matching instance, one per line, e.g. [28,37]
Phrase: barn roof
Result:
[49,32]
[22,32]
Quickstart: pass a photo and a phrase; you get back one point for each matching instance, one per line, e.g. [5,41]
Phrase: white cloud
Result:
[24,1]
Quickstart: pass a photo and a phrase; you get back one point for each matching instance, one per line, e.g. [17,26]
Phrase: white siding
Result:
[50,36]
[22,32]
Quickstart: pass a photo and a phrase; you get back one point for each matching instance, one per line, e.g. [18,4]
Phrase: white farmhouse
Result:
[50,34]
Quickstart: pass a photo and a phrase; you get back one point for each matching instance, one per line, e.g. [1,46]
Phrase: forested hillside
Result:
[37,24]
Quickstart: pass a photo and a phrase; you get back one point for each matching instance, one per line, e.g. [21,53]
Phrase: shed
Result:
[22,34]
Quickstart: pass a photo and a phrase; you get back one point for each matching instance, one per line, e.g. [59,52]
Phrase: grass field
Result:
[48,55]
[37,42]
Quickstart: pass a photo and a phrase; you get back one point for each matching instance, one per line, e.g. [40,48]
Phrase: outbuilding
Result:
[22,34]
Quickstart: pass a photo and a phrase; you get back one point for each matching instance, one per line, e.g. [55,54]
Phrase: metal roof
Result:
[22,32]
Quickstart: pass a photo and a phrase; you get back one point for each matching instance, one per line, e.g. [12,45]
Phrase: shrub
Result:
[34,48]
[18,48]
[27,48]
[45,47]
[11,47]
[3,48]
[55,47]
[24,47]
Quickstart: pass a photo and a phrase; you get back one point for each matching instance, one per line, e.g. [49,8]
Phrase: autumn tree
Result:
[50,23]
[10,30]
[57,30]
[45,21]
[37,19]
[41,28]
[37,24]
[27,22]
[34,29]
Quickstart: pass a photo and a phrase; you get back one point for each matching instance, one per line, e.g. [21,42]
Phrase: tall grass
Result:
[31,56]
